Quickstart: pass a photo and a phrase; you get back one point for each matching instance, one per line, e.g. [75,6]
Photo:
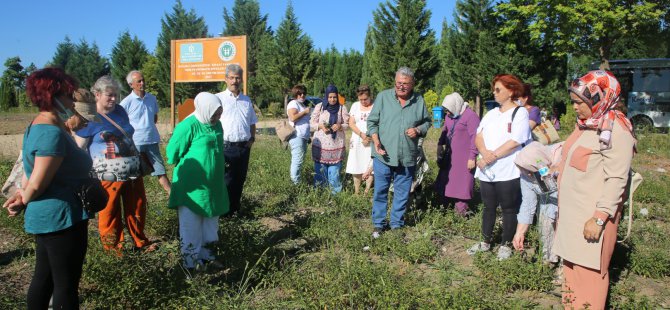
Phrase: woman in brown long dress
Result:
[596,161]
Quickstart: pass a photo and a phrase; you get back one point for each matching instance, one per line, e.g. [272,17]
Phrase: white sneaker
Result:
[504,252]
[478,247]
[377,232]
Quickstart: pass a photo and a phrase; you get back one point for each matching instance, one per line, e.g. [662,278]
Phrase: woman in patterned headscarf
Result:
[593,172]
[330,119]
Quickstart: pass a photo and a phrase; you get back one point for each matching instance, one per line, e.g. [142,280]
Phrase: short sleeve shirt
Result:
[497,128]
[142,112]
[238,116]
[57,207]
[301,125]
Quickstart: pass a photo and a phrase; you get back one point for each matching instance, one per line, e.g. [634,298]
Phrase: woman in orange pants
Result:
[110,145]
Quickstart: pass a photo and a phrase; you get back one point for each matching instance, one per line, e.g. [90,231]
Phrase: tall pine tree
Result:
[179,24]
[64,51]
[83,61]
[129,53]
[401,36]
[289,59]
[246,19]
[11,83]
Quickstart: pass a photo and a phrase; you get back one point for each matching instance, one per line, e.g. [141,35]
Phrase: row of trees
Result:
[545,42]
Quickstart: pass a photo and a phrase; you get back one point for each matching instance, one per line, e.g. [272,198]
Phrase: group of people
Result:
[78,133]
[587,173]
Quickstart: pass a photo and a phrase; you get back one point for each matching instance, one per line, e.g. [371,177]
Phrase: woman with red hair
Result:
[593,174]
[500,136]
[53,166]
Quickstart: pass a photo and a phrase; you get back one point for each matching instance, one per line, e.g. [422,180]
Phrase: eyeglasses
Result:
[402,85]
[497,90]
[139,81]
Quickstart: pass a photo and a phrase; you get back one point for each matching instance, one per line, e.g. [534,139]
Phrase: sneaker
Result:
[478,247]
[504,252]
[377,232]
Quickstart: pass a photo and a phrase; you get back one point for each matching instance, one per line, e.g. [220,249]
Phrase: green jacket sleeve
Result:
[179,142]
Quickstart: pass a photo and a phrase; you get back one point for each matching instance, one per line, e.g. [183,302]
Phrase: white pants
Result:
[195,232]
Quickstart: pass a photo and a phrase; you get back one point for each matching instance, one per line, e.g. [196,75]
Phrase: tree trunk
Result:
[604,52]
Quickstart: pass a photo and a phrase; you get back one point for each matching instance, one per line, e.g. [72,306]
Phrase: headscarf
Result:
[333,109]
[600,90]
[206,105]
[535,154]
[455,104]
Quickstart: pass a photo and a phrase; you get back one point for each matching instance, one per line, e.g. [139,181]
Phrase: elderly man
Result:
[239,130]
[396,122]
[142,109]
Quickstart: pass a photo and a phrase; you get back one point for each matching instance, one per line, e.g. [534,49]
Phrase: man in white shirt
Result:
[239,129]
[142,109]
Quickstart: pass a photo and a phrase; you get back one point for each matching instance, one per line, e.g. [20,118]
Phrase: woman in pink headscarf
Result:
[593,172]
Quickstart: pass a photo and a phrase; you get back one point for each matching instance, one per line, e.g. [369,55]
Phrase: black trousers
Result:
[507,194]
[237,163]
[58,264]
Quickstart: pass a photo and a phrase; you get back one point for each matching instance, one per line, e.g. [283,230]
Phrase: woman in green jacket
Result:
[198,189]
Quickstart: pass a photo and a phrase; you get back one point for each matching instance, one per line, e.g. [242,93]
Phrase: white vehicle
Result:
[645,88]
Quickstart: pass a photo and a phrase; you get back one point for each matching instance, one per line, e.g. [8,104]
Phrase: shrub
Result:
[275,109]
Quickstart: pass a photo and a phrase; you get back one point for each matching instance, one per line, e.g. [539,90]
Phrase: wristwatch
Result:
[599,221]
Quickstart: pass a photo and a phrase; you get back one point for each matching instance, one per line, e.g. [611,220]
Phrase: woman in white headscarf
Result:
[456,153]
[198,189]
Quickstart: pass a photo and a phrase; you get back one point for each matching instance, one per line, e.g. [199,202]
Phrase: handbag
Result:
[444,159]
[545,133]
[146,168]
[91,195]
[284,130]
[13,182]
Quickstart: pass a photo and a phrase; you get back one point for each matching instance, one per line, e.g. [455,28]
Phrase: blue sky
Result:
[31,29]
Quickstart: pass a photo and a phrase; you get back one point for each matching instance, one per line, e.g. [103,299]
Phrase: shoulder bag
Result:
[545,133]
[444,161]
[146,168]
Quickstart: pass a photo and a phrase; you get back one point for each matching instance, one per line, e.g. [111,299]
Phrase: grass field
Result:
[296,247]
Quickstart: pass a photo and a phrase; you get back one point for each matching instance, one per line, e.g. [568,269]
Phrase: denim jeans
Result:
[402,182]
[298,148]
[329,173]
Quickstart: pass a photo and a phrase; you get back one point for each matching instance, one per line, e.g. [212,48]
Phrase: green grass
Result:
[299,248]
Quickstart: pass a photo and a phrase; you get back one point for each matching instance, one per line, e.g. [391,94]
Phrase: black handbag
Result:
[444,161]
[92,196]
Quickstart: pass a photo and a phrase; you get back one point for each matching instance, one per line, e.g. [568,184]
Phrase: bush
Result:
[431,99]
[275,109]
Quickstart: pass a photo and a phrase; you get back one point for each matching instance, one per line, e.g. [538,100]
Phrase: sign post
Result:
[205,60]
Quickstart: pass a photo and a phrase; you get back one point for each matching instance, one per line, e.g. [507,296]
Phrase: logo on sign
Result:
[227,51]
[190,52]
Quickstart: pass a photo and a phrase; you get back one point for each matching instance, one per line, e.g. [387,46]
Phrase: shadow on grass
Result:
[10,256]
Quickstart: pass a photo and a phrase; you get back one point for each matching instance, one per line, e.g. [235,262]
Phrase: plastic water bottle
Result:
[486,171]
[546,177]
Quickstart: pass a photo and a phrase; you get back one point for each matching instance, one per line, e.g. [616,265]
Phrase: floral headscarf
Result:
[600,90]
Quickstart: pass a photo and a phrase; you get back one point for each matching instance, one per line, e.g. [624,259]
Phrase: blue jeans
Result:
[402,183]
[330,173]
[298,148]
